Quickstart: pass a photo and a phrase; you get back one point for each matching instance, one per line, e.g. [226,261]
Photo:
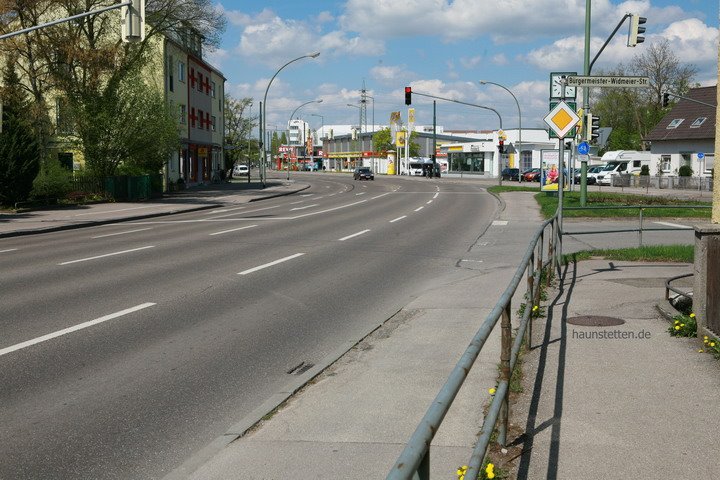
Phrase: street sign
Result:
[562,119]
[700,155]
[607,81]
[583,148]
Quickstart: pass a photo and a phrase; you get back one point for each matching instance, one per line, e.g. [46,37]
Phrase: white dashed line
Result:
[398,219]
[106,255]
[428,202]
[232,230]
[361,193]
[382,195]
[436,195]
[418,209]
[303,208]
[260,267]
[75,328]
[351,236]
[122,233]
[498,223]
[8,250]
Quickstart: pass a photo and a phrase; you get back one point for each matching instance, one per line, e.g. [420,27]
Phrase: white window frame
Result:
[665,163]
[213,119]
[675,123]
[698,121]
[181,71]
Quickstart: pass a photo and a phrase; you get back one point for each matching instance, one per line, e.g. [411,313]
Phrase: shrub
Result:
[645,170]
[684,326]
[53,181]
[685,171]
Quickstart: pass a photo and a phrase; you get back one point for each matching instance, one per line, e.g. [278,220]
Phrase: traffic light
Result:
[593,125]
[666,99]
[133,21]
[408,95]
[634,36]
[501,145]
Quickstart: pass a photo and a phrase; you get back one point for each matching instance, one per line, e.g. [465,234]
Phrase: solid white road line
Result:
[122,210]
[675,225]
[418,209]
[243,213]
[232,230]
[260,267]
[499,222]
[122,233]
[75,328]
[295,203]
[351,236]
[224,210]
[8,250]
[397,219]
[106,255]
[381,195]
[304,207]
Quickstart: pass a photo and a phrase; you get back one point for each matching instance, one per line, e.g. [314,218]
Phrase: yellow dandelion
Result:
[677,321]
[461,472]
[706,341]
[535,308]
[712,344]
[705,337]
[491,391]
[692,315]
[491,475]
[677,327]
[490,470]
[682,324]
[701,350]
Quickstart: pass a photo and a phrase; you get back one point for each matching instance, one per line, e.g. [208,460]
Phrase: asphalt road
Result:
[126,348]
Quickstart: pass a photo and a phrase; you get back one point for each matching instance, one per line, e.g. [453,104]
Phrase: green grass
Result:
[654,253]
[548,202]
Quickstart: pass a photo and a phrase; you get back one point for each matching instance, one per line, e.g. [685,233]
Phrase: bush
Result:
[53,181]
[645,170]
[685,171]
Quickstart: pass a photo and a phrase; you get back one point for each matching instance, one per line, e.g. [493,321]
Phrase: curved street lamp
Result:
[484,82]
[287,165]
[264,108]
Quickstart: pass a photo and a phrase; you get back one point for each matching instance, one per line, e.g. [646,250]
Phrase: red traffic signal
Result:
[408,95]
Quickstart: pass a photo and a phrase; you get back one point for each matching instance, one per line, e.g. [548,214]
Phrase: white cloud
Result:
[500,59]
[471,62]
[390,74]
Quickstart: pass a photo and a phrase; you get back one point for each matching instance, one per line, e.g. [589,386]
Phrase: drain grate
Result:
[595,321]
[301,368]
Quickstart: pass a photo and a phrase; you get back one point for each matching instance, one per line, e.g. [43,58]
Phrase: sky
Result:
[439,47]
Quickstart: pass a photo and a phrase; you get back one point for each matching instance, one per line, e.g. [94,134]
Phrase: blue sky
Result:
[440,47]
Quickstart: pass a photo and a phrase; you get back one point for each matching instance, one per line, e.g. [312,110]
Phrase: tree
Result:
[633,112]
[238,128]
[19,147]
[384,143]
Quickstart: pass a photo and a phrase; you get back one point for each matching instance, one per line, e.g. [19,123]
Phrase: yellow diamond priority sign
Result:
[562,119]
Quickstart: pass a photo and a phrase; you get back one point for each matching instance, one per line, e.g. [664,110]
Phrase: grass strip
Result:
[650,253]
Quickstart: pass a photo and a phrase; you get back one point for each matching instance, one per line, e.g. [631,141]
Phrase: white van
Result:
[604,177]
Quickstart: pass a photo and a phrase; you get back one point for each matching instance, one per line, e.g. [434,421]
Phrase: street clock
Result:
[556,86]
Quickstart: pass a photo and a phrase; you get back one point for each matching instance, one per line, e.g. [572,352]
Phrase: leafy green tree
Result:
[383,142]
[52,182]
[19,146]
[238,129]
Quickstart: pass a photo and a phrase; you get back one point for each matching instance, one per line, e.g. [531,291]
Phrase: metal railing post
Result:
[506,349]
[641,226]
[530,298]
[540,267]
[551,253]
[423,471]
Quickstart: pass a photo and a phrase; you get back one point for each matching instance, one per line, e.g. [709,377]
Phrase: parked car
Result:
[241,171]
[363,173]
[511,174]
[591,172]
[613,168]
[532,175]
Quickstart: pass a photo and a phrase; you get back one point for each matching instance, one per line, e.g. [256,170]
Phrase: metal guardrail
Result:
[640,228]
[669,289]
[414,461]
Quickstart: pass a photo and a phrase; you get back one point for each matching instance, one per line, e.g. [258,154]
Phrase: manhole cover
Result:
[595,321]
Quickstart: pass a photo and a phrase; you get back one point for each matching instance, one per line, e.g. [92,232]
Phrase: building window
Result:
[525,160]
[193,117]
[214,120]
[202,119]
[192,78]
[665,163]
[64,123]
[181,71]
[675,123]
[182,110]
[207,120]
[212,89]
[170,70]
[698,121]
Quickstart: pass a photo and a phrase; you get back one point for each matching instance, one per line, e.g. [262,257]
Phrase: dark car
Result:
[591,172]
[532,175]
[363,173]
[511,174]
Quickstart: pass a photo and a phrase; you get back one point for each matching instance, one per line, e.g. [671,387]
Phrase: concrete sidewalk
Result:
[50,219]
[625,401]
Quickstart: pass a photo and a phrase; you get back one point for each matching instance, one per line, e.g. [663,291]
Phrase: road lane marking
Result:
[307,194]
[418,209]
[299,201]
[361,193]
[436,195]
[260,267]
[106,255]
[8,250]
[498,223]
[351,236]
[382,195]
[428,202]
[472,261]
[397,219]
[327,210]
[675,225]
[232,230]
[243,213]
[75,328]
[122,233]
[224,210]
[122,210]
[304,207]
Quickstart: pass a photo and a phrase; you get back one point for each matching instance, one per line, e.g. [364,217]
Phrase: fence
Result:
[704,184]
[414,461]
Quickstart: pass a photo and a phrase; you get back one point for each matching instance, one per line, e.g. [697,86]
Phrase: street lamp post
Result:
[322,129]
[264,110]
[287,164]
[484,82]
[359,125]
